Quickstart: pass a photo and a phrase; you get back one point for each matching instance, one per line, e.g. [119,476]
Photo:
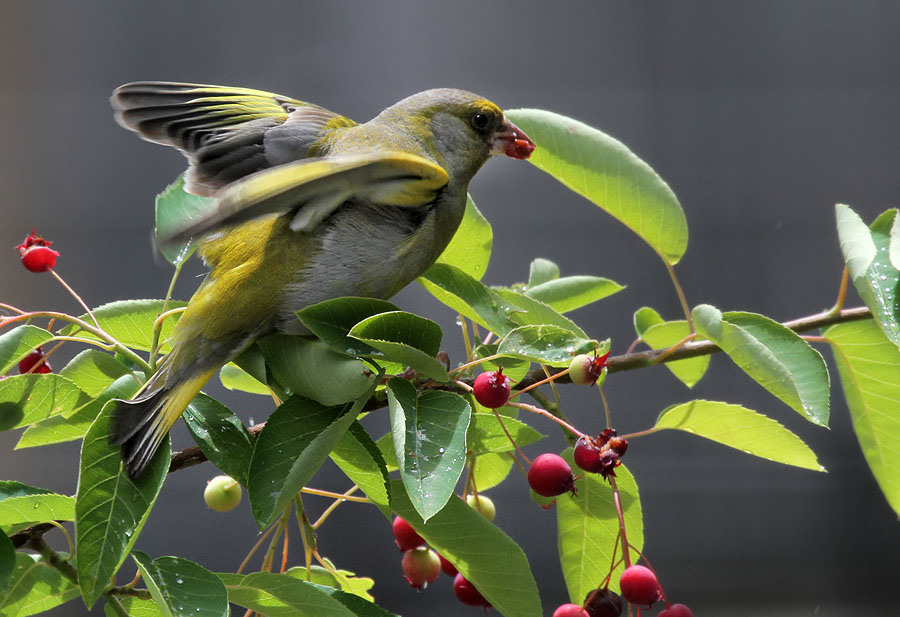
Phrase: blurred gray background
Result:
[760,115]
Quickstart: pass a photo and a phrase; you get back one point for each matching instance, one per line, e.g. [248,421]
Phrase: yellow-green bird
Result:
[310,206]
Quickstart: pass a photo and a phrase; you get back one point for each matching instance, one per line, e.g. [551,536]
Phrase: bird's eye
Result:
[480,120]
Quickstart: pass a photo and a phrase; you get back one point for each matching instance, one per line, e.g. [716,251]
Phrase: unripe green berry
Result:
[483,504]
[222,493]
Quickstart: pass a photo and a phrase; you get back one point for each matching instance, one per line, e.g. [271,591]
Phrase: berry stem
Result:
[10,307]
[681,297]
[606,410]
[464,326]
[74,295]
[508,436]
[670,350]
[154,344]
[544,412]
[621,515]
[842,294]
[469,365]
[548,379]
[338,500]
[255,547]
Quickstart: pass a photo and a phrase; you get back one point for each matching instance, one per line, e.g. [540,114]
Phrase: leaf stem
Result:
[74,295]
[547,414]
[621,515]
[681,297]
[508,436]
[842,293]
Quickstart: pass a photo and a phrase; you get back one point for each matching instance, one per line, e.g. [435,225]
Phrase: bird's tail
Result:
[141,424]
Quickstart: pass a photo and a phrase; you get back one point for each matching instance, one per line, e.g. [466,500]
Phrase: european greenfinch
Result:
[309,206]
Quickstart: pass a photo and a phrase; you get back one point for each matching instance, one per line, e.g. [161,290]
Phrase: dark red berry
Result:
[570,610]
[601,454]
[28,363]
[420,567]
[491,389]
[405,536]
[602,602]
[676,610]
[639,585]
[467,594]
[446,567]
[36,254]
[550,475]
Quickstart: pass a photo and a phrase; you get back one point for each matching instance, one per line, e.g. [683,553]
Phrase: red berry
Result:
[420,567]
[676,610]
[601,455]
[467,594]
[639,585]
[550,475]
[27,363]
[446,567]
[570,610]
[491,389]
[602,602]
[36,254]
[405,536]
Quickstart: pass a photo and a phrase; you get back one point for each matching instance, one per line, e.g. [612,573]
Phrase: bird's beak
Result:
[512,141]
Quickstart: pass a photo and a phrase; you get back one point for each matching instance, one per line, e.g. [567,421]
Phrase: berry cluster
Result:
[601,454]
[639,586]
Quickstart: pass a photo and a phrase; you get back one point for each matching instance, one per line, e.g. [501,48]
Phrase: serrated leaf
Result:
[27,509]
[483,554]
[664,335]
[358,457]
[59,429]
[429,432]
[869,262]
[547,344]
[514,368]
[331,320]
[234,377]
[572,292]
[487,435]
[131,606]
[131,322]
[93,371]
[176,210]
[26,399]
[182,588]
[12,488]
[281,595]
[470,248]
[868,365]
[491,469]
[606,172]
[527,311]
[221,436]
[541,271]
[773,355]
[35,587]
[740,428]
[18,343]
[7,563]
[355,602]
[468,297]
[588,529]
[110,507]
[290,449]
[406,338]
[310,369]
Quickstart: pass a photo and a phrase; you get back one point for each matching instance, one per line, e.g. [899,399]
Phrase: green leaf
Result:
[406,338]
[894,246]
[221,436]
[482,553]
[26,399]
[868,260]
[35,587]
[513,367]
[290,449]
[542,271]
[10,489]
[527,311]
[487,435]
[281,595]
[603,170]
[774,356]
[868,365]
[429,432]
[331,320]
[130,322]
[645,317]
[355,602]
[7,562]
[572,292]
[175,210]
[234,377]
[740,428]
[335,580]
[18,343]
[491,469]
[664,335]
[310,369]
[93,371]
[470,248]
[588,530]
[59,429]
[131,606]
[182,588]
[469,297]
[546,344]
[110,507]
[28,509]
[358,457]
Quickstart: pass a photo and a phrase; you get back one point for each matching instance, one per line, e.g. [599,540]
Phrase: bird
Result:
[309,206]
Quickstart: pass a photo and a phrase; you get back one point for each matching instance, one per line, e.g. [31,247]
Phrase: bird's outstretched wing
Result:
[227,133]
[314,188]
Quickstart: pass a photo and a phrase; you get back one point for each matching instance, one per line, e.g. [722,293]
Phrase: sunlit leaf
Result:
[547,344]
[35,587]
[131,322]
[26,399]
[18,343]
[406,338]
[176,210]
[182,588]
[572,292]
[470,248]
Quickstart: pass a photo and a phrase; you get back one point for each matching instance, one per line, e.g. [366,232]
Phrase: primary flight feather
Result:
[309,206]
